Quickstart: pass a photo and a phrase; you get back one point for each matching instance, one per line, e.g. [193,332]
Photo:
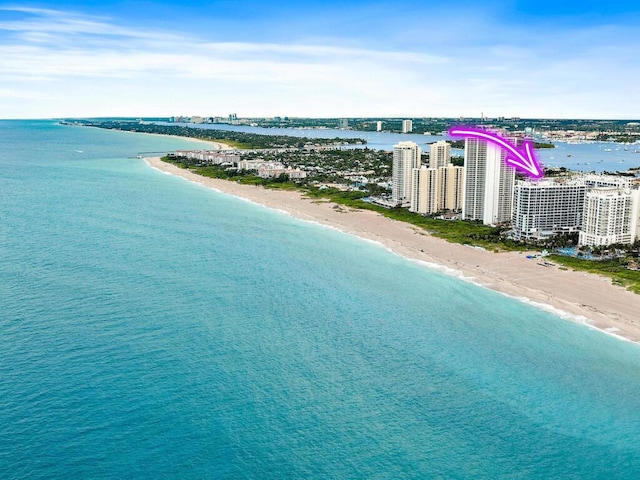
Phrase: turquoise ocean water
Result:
[151,328]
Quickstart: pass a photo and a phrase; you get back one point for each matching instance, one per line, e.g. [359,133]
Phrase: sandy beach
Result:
[585,298]
[208,143]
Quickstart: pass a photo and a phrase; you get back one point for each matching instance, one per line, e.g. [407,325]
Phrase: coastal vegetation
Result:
[619,137]
[622,131]
[460,231]
[328,165]
[245,177]
[242,140]
[616,268]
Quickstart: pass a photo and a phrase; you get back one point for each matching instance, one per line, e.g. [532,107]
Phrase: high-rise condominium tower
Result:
[544,208]
[424,190]
[437,189]
[439,154]
[610,216]
[488,183]
[406,157]
[450,188]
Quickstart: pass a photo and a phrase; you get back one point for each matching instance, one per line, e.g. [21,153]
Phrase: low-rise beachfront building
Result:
[610,216]
[273,172]
[542,209]
[296,173]
[271,169]
[256,164]
[210,157]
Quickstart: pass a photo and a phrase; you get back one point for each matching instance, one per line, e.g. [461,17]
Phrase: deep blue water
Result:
[151,328]
[584,157]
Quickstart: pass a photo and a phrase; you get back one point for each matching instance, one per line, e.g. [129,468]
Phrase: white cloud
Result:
[40,20]
[63,63]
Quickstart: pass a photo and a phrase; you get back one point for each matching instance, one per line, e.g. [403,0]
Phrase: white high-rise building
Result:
[424,190]
[379,126]
[593,180]
[489,183]
[407,126]
[450,188]
[610,216]
[406,157]
[439,154]
[545,208]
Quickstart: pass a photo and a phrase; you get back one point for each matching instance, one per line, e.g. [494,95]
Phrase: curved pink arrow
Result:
[523,160]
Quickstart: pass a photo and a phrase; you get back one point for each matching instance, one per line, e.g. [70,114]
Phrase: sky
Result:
[419,58]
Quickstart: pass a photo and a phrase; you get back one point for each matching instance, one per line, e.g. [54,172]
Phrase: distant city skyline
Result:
[349,59]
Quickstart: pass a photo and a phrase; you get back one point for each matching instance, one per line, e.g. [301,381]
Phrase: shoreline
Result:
[217,145]
[583,298]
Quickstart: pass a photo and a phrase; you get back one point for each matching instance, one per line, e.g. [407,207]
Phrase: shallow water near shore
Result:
[152,328]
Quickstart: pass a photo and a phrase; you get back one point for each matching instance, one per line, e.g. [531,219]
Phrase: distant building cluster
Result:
[602,209]
[406,125]
[264,168]
[231,119]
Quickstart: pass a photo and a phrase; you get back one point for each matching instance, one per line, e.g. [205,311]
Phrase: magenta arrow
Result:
[523,160]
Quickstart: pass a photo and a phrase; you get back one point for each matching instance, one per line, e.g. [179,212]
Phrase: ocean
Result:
[152,328]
